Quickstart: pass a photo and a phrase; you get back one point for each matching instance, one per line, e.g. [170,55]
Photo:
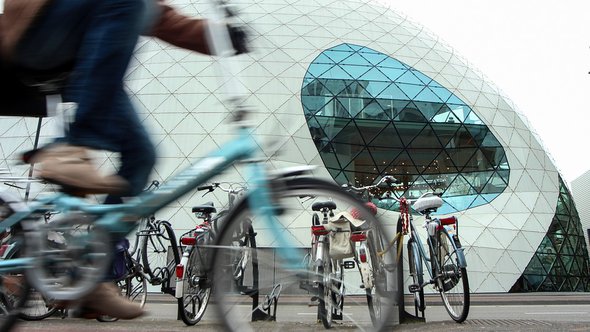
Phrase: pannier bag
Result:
[340,245]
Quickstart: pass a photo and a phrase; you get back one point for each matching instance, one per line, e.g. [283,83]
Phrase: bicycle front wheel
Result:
[280,255]
[416,271]
[325,294]
[453,283]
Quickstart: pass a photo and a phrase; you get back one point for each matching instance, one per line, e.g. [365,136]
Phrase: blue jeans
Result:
[98,37]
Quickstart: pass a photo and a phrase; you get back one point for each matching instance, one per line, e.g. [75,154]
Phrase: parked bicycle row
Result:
[343,239]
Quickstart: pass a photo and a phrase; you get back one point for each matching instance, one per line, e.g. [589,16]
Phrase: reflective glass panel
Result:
[372,115]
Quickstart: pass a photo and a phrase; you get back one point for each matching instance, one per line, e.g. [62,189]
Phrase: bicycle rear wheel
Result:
[197,288]
[453,283]
[280,255]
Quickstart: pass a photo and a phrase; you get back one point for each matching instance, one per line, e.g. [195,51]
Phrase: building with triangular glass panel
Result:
[360,91]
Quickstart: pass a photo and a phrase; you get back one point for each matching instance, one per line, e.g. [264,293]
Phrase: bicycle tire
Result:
[70,245]
[295,196]
[35,307]
[453,284]
[154,253]
[197,288]
[325,294]
[375,275]
[417,273]
[338,290]
[12,299]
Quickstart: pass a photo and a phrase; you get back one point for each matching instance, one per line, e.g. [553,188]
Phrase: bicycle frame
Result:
[427,259]
[147,203]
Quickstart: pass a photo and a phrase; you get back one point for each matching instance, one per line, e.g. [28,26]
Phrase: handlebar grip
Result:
[205,188]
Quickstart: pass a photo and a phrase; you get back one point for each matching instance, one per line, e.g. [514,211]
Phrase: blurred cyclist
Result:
[94,41]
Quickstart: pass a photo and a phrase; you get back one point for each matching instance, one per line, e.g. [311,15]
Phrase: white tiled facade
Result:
[179,99]
[581,192]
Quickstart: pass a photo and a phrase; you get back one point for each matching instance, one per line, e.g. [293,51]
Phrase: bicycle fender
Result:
[294,171]
[178,292]
[460,250]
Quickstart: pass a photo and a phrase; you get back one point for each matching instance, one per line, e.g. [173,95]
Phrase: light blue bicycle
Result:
[65,259]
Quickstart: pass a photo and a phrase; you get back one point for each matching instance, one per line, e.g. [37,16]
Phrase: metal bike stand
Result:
[404,316]
[268,310]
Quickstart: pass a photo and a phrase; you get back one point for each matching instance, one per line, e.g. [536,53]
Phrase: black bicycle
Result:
[194,279]
[444,262]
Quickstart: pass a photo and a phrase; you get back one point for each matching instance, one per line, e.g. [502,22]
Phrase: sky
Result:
[536,51]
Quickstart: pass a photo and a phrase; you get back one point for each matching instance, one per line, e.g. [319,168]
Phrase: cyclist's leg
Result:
[101,48]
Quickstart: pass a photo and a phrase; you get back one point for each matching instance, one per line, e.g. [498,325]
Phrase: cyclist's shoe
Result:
[71,167]
[105,300]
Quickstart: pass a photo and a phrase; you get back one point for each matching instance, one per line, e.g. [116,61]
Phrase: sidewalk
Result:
[483,316]
[505,299]
[496,325]
[481,324]
[476,299]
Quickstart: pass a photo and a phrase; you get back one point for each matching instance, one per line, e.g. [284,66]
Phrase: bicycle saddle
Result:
[430,202]
[317,206]
[206,208]
[24,91]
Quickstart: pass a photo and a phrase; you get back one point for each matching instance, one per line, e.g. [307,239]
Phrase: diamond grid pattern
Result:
[370,114]
[560,263]
[178,96]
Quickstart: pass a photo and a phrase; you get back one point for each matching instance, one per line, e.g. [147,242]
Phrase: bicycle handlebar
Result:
[231,188]
[391,183]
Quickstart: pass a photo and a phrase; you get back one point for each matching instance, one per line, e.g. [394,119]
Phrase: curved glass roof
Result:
[371,115]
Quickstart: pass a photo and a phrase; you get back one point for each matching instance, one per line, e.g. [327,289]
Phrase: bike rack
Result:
[267,311]
[404,316]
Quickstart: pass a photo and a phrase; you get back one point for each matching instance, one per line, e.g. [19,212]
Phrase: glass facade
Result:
[371,115]
[561,261]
